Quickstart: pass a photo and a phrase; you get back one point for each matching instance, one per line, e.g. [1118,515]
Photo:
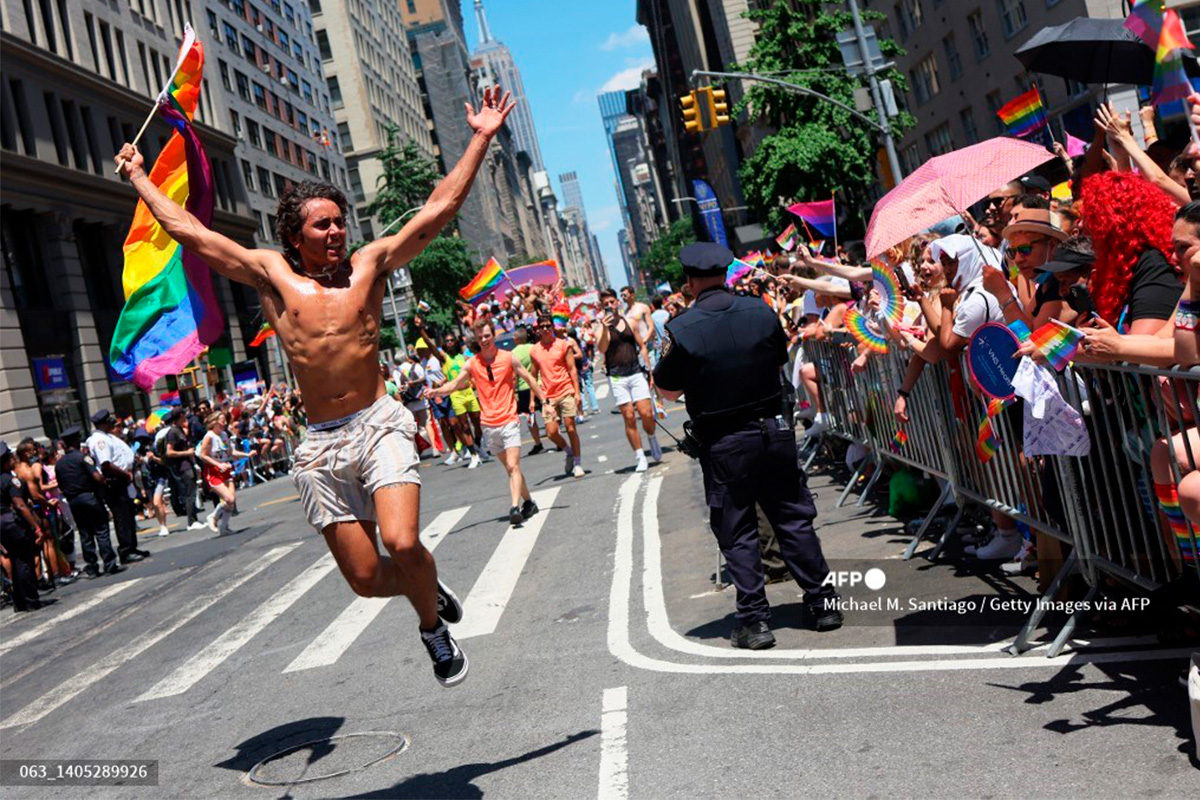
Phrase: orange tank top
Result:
[496,388]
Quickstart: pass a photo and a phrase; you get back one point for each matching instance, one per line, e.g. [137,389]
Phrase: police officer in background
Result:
[20,533]
[81,483]
[724,353]
[115,459]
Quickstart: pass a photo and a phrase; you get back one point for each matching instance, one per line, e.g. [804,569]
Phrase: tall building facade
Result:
[372,86]
[573,200]
[500,61]
[78,81]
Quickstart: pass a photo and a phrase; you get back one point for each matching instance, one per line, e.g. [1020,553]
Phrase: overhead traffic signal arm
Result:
[718,107]
[690,106]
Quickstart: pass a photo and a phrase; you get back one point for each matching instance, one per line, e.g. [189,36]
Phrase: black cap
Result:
[1064,260]
[101,416]
[1036,183]
[705,259]
[73,432]
[4,449]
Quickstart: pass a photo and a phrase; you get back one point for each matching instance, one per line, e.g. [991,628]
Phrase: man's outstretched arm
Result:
[397,250]
[224,255]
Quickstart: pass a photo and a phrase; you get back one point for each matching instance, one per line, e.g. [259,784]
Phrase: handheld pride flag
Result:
[1145,20]
[264,333]
[787,239]
[1058,342]
[1024,114]
[484,281]
[1170,81]
[171,312]
[986,441]
[820,214]
[736,271]
[856,323]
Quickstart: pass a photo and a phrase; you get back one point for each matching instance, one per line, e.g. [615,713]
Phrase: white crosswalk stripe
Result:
[228,643]
[490,595]
[91,602]
[69,690]
[332,642]
[601,391]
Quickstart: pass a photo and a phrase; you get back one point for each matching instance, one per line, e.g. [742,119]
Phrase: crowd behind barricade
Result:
[94,490]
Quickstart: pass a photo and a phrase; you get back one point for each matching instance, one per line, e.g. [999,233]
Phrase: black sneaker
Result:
[755,636]
[132,557]
[515,517]
[823,611]
[449,661]
[449,608]
[528,509]
[537,448]
[91,573]
[115,569]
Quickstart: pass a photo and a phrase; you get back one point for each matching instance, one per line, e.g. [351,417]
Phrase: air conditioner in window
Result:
[284,80]
[260,28]
[265,67]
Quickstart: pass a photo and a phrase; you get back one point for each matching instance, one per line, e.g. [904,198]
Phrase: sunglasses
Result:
[1024,249]
[999,201]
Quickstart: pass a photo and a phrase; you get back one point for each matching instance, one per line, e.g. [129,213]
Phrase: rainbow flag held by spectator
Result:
[1023,114]
[265,332]
[171,312]
[484,281]
[736,271]
[787,239]
[1170,81]
[1146,20]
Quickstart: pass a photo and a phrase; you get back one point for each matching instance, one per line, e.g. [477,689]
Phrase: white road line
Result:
[66,692]
[614,753]
[336,639]
[602,391]
[95,600]
[195,668]
[619,644]
[594,436]
[601,459]
[494,587]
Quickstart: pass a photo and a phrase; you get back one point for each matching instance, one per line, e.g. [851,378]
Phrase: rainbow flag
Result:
[816,246]
[820,214]
[986,442]
[484,281]
[787,239]
[1024,114]
[171,312]
[995,406]
[899,440]
[561,312]
[1058,342]
[1145,20]
[1170,81]
[155,418]
[736,271]
[263,334]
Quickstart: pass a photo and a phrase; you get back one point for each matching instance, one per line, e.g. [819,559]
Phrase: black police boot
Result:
[755,636]
[823,612]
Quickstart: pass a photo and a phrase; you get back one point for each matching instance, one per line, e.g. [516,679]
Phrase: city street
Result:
[600,665]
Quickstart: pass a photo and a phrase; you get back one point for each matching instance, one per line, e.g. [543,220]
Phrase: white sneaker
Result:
[1004,546]
[197,526]
[819,426]
[1024,561]
[211,521]
[655,450]
[453,459]
[578,471]
[642,466]
[474,461]
[162,531]
[485,456]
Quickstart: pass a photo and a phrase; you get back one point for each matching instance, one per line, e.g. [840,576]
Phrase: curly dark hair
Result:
[289,216]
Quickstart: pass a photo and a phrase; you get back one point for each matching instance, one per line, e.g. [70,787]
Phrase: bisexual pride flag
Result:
[820,215]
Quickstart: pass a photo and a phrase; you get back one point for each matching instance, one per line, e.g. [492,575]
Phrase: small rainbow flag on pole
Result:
[986,442]
[820,214]
[1058,342]
[899,440]
[736,271]
[1145,20]
[787,239]
[1024,114]
[265,332]
[484,281]
[1170,81]
[171,312]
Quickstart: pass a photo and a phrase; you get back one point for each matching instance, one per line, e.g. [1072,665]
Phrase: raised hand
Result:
[492,113]
[130,160]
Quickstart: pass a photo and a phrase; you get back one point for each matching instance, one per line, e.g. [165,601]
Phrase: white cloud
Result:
[632,37]
[628,78]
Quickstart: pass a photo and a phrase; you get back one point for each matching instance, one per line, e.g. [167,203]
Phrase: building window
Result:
[335,92]
[235,122]
[1075,88]
[356,186]
[925,79]
[994,102]
[212,24]
[293,80]
[269,141]
[323,46]
[252,132]
[910,14]
[953,59]
[910,159]
[979,37]
[306,90]
[258,223]
[260,96]
[248,174]
[938,141]
[231,37]
[270,227]
[1012,16]
[243,85]
[54,114]
[281,183]
[344,136]
[24,125]
[970,132]
[224,69]
[264,184]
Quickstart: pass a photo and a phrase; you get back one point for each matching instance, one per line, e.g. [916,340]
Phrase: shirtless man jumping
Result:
[357,471]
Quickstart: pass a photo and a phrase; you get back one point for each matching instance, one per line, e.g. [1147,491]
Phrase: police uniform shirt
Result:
[11,486]
[724,353]
[74,473]
[108,448]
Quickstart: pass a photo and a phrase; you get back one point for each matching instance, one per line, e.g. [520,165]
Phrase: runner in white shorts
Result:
[622,345]
[494,372]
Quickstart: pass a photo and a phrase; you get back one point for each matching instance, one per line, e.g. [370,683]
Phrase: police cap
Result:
[705,259]
[101,416]
[3,449]
[72,433]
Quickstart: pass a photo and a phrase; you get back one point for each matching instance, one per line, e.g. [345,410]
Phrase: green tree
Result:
[663,258]
[817,147]
[441,269]
[407,179]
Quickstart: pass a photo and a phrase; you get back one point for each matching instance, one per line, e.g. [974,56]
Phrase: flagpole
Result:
[187,29]
[833,209]
[1045,109]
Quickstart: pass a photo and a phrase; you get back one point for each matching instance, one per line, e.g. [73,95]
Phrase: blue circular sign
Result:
[991,360]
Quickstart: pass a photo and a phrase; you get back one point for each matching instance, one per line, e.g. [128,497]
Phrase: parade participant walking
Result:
[463,402]
[494,373]
[159,480]
[526,407]
[639,316]
[554,368]
[115,460]
[20,532]
[622,346]
[725,354]
[357,470]
[81,483]
[180,457]
[214,453]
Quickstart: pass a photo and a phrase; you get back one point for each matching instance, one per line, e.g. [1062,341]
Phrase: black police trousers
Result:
[92,521]
[124,516]
[758,464]
[22,553]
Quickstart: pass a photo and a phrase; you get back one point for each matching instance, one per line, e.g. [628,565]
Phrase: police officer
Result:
[20,533]
[115,459]
[81,482]
[725,353]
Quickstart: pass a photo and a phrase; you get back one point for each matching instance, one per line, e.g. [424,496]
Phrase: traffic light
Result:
[718,108]
[691,113]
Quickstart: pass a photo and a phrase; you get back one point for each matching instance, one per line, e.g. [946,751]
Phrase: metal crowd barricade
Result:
[1103,505]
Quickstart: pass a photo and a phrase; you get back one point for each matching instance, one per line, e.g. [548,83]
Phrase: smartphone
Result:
[1080,300]
[905,286]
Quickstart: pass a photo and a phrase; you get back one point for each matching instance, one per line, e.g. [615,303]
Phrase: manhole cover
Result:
[322,759]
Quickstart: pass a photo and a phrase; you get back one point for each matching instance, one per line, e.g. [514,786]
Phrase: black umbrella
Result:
[1092,51]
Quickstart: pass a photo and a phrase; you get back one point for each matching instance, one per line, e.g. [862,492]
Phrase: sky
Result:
[567,53]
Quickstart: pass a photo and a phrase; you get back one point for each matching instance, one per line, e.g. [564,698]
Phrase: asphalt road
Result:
[600,665]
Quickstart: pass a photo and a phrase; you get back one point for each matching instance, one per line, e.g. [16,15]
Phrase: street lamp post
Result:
[391,289]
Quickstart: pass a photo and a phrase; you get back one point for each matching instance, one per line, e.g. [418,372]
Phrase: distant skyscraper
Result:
[499,60]
[572,194]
